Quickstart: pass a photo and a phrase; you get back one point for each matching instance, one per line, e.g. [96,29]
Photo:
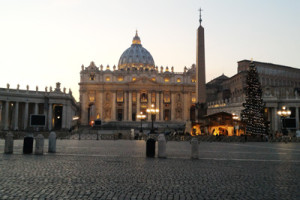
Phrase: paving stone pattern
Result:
[120,170]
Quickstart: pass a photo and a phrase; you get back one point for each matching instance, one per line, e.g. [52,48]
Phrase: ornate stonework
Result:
[134,87]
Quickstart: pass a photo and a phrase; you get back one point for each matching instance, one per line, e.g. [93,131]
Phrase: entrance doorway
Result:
[57,117]
[133,116]
[91,113]
[120,114]
[167,115]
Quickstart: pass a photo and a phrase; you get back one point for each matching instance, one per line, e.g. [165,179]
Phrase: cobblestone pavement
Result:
[119,170]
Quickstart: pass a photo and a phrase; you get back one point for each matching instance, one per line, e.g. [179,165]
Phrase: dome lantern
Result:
[136,39]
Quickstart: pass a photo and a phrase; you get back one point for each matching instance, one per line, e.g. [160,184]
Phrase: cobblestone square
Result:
[91,169]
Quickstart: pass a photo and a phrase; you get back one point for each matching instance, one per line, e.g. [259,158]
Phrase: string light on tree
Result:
[253,114]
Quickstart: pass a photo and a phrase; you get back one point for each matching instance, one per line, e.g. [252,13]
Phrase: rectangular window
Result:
[153,97]
[144,97]
[120,78]
[167,97]
[193,97]
[92,98]
[134,97]
[120,97]
[92,77]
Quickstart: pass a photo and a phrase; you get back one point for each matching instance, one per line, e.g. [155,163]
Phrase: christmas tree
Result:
[253,113]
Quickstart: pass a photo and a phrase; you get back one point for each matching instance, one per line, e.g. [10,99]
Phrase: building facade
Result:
[120,93]
[16,107]
[280,85]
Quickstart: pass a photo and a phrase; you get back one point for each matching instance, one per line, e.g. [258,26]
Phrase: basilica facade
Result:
[120,93]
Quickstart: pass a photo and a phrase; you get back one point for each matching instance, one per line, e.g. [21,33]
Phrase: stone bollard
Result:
[98,133]
[9,143]
[162,146]
[39,144]
[52,143]
[28,144]
[195,148]
[150,148]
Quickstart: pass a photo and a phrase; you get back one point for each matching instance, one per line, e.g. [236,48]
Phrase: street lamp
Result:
[152,111]
[283,113]
[141,117]
[235,119]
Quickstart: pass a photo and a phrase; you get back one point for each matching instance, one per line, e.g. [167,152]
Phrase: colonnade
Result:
[179,102]
[15,115]
[275,119]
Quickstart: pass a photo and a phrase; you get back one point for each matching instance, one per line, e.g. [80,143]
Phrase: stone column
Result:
[69,117]
[101,112]
[130,107]
[1,110]
[6,115]
[50,117]
[173,106]
[138,106]
[149,106]
[161,107]
[36,108]
[157,106]
[186,106]
[84,109]
[125,106]
[275,120]
[114,106]
[64,116]
[297,118]
[269,114]
[98,104]
[16,117]
[26,115]
[270,111]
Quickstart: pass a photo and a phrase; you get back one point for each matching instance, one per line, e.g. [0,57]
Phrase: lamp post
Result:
[141,117]
[152,111]
[235,119]
[283,113]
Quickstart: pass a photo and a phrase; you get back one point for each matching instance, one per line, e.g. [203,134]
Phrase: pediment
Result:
[143,81]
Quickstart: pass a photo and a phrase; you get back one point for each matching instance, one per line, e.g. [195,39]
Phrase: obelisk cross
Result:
[200,20]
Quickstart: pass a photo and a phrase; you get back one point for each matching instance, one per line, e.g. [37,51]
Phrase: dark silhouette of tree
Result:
[253,113]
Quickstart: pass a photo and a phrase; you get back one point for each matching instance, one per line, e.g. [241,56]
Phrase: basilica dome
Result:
[136,56]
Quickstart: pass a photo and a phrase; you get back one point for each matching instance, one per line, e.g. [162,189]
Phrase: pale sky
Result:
[46,41]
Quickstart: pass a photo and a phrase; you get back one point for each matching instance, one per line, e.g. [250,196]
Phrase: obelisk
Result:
[200,65]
